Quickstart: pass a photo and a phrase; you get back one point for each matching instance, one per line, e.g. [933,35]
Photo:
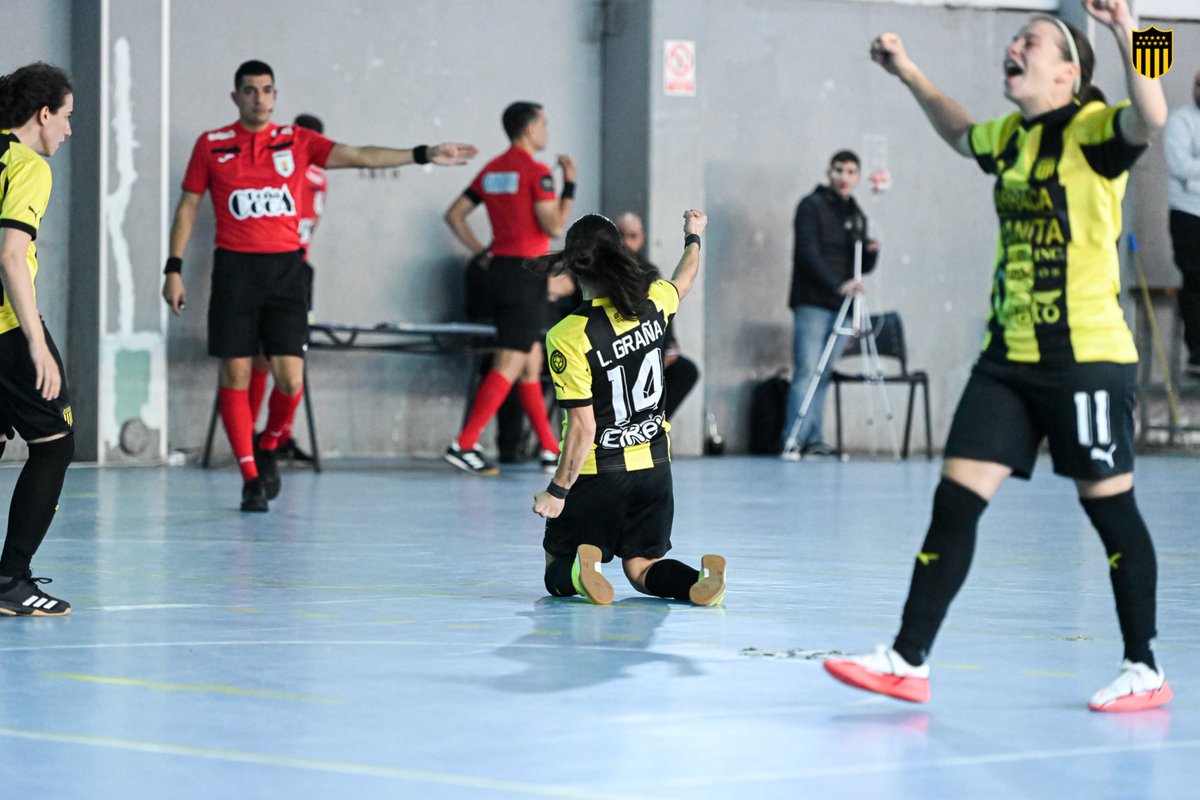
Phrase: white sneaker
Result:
[885,671]
[549,460]
[1136,688]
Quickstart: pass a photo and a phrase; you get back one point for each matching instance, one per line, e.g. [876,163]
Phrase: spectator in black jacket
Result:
[827,223]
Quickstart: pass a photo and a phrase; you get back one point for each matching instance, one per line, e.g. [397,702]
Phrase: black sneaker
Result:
[254,495]
[818,450]
[23,598]
[267,462]
[472,461]
[292,452]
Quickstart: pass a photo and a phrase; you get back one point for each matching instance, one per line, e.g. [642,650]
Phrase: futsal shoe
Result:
[267,462]
[22,598]
[254,495]
[885,671]
[710,589]
[586,577]
[1136,688]
[472,461]
[549,460]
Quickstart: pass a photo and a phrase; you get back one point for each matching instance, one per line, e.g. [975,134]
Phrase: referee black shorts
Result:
[1083,411]
[259,300]
[518,303]
[21,405]
[626,514]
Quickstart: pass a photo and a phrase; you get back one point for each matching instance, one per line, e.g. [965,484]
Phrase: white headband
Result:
[1066,32]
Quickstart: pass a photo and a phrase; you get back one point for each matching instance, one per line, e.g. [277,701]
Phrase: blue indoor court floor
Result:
[383,633]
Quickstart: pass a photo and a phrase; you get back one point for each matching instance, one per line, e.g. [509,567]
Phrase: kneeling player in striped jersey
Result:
[606,359]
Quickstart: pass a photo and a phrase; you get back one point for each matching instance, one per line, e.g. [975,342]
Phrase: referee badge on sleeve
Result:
[558,362]
[547,183]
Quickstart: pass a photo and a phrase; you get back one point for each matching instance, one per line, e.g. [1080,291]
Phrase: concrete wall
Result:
[781,85]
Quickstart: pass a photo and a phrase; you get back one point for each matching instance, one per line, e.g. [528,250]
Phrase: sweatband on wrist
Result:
[691,238]
[554,490]
[174,265]
[568,190]
[421,154]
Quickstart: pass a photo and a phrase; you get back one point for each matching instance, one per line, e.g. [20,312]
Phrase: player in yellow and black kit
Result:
[1058,360]
[35,117]
[606,359]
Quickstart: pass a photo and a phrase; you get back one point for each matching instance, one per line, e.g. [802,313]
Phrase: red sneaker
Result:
[1136,688]
[885,671]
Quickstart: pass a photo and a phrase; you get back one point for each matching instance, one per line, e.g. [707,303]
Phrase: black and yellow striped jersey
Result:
[24,194]
[615,365]
[1060,178]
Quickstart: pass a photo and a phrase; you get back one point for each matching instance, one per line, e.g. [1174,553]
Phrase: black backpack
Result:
[768,406]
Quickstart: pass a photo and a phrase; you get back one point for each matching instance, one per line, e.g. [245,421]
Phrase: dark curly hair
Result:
[593,253]
[29,89]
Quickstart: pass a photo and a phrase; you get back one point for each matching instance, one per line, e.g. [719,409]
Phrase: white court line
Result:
[854,769]
[481,646]
[316,765]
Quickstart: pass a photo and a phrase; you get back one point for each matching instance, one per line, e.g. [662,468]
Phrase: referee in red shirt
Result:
[518,192]
[254,171]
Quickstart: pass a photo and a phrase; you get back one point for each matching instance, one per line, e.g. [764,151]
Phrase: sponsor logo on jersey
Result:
[265,202]
[226,157]
[285,164]
[632,434]
[558,362]
[501,182]
[219,136]
[1043,170]
[1153,52]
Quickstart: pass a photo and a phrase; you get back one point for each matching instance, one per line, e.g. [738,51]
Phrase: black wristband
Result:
[554,490]
[174,265]
[421,154]
[691,238]
[568,190]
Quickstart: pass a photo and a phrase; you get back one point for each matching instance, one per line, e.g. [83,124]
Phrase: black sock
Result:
[670,578]
[941,568]
[1133,569]
[34,501]
[558,577]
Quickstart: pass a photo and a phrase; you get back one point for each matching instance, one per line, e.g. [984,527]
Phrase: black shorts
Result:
[517,300]
[21,405]
[259,301]
[1084,411]
[626,514]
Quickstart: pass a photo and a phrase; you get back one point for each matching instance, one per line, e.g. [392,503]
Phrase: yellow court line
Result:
[198,688]
[317,765]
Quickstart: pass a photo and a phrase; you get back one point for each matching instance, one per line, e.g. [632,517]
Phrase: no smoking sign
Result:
[679,68]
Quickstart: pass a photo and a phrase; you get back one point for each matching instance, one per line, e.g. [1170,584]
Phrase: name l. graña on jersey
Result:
[645,334]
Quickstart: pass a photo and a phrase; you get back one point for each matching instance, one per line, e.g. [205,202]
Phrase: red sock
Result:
[258,390]
[239,425]
[535,408]
[488,399]
[281,410]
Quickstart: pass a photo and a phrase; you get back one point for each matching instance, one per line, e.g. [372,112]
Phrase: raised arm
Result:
[174,291]
[694,223]
[552,215]
[370,157]
[948,118]
[1147,113]
[18,293]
